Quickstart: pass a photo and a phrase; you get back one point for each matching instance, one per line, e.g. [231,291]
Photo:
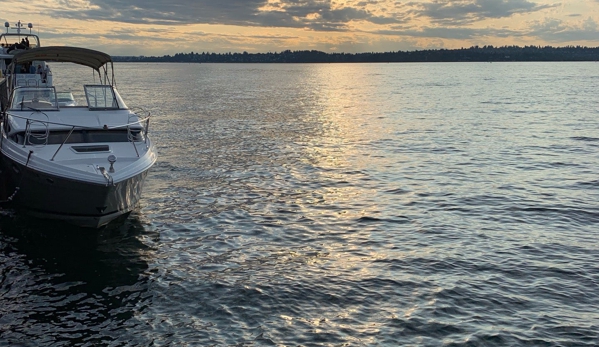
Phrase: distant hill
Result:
[475,53]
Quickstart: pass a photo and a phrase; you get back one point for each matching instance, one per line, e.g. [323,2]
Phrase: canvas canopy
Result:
[77,55]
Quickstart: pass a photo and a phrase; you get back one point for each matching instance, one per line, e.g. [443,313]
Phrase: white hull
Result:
[72,189]
[77,202]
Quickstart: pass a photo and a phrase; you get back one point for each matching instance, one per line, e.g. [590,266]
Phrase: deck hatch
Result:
[93,148]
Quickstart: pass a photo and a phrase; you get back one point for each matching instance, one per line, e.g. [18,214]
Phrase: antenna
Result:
[19,26]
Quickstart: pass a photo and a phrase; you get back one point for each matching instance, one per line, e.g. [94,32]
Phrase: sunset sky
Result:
[160,27]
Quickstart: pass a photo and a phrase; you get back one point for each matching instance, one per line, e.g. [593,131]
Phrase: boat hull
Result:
[81,203]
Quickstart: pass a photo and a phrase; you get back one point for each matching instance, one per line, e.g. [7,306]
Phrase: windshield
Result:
[103,97]
[12,41]
[34,98]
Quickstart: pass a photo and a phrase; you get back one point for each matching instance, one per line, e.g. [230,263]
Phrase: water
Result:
[333,205]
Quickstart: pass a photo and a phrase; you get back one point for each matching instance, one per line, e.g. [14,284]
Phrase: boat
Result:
[16,39]
[83,163]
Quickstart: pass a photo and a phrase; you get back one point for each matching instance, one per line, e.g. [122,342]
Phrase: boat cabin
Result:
[34,73]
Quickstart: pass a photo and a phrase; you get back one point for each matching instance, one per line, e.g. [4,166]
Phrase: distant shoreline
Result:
[472,54]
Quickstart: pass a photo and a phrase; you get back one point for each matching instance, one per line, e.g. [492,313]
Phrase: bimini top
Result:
[64,54]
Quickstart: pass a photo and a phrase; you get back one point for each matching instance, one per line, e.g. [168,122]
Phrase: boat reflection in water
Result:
[62,283]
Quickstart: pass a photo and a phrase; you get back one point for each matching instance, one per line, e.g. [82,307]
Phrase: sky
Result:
[166,27]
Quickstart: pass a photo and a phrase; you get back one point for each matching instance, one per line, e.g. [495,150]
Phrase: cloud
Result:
[159,12]
[557,31]
[550,30]
[318,15]
[314,15]
[148,26]
[460,12]
[451,33]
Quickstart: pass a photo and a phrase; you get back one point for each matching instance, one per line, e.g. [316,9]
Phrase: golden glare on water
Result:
[340,152]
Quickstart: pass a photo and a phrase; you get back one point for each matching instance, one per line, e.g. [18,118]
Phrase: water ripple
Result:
[333,205]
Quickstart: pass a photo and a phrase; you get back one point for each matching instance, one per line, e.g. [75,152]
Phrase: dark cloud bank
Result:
[449,19]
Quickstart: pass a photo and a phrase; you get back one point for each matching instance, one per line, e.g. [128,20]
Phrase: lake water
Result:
[333,205]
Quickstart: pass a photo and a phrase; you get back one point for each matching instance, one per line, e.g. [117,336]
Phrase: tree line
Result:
[474,54]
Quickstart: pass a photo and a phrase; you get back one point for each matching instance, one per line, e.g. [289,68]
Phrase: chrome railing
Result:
[135,127]
[39,137]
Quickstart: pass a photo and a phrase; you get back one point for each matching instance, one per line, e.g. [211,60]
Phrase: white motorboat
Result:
[84,164]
